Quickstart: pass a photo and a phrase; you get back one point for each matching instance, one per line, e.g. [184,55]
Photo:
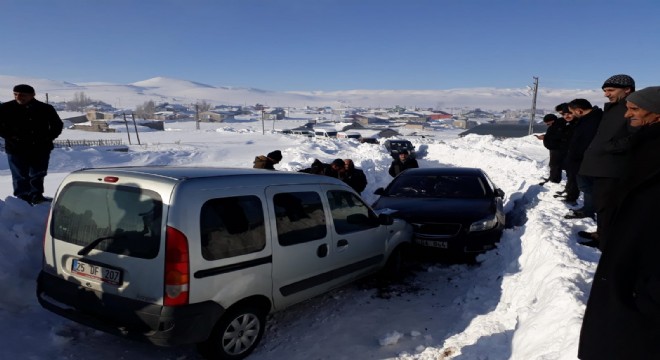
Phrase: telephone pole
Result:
[531,119]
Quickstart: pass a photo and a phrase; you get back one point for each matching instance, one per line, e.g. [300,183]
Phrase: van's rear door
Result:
[107,236]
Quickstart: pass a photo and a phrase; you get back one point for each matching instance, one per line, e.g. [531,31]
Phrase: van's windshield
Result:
[128,218]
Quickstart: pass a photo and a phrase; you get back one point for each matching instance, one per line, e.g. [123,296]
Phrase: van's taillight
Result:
[43,243]
[110,179]
[177,268]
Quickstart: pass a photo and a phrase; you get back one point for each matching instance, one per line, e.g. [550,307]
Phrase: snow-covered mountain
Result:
[163,89]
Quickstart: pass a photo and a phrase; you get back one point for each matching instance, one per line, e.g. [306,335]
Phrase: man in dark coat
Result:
[29,127]
[268,162]
[606,158]
[588,119]
[404,162]
[354,177]
[552,141]
[622,318]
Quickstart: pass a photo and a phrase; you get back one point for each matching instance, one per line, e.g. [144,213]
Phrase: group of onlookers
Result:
[612,156]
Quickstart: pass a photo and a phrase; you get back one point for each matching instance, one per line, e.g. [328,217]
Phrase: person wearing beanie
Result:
[608,154]
[404,162]
[622,317]
[268,162]
[29,127]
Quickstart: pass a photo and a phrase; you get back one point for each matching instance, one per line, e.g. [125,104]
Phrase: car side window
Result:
[349,213]
[299,217]
[232,226]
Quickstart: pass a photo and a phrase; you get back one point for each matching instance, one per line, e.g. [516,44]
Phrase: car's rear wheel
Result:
[236,334]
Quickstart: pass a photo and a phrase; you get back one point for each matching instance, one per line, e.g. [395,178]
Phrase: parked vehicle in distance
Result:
[307,133]
[395,146]
[348,135]
[325,133]
[182,255]
[369,140]
[458,210]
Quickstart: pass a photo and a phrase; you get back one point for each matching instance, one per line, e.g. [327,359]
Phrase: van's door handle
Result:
[342,243]
[322,251]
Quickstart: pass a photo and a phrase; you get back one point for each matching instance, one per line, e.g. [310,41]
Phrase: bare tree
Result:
[79,102]
[203,106]
[146,110]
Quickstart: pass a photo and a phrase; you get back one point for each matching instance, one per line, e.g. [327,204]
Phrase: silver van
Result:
[182,255]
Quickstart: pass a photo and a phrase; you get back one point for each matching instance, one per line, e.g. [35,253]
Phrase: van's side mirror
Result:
[380,191]
[499,193]
[385,219]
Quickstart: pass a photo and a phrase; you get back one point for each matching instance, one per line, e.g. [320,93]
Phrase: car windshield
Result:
[437,186]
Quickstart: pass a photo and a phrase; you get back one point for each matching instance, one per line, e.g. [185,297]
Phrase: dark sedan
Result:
[453,209]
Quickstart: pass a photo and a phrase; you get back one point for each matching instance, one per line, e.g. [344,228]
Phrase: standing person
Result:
[29,127]
[622,317]
[588,117]
[606,158]
[552,141]
[404,162]
[268,162]
[354,177]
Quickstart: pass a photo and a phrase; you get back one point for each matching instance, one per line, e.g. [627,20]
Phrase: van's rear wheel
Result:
[236,335]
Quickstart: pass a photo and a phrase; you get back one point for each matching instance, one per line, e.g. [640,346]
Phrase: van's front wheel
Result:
[236,335]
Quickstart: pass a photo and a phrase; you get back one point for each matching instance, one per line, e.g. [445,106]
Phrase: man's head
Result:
[644,106]
[549,119]
[579,107]
[562,109]
[617,87]
[338,165]
[276,156]
[348,164]
[403,155]
[23,93]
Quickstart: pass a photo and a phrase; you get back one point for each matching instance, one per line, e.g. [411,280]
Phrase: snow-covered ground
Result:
[524,300]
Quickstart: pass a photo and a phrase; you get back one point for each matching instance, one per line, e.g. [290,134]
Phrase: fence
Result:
[70,143]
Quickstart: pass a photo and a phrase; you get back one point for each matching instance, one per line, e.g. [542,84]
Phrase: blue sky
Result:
[334,44]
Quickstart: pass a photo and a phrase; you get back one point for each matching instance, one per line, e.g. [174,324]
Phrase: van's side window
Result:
[349,213]
[232,226]
[299,217]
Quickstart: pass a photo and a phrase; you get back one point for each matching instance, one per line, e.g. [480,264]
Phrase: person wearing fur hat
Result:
[608,154]
[404,162]
[29,127]
[268,162]
[622,317]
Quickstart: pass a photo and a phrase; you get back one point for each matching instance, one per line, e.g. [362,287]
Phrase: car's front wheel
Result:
[236,334]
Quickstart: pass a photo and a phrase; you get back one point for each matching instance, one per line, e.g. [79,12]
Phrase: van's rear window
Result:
[127,219]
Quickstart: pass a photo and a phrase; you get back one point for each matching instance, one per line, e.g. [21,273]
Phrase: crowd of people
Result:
[609,156]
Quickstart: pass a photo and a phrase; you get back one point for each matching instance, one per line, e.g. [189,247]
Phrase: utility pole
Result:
[263,125]
[197,116]
[531,120]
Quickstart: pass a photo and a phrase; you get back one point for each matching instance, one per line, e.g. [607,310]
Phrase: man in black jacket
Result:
[29,127]
[552,141]
[606,158]
[404,162]
[354,177]
[622,317]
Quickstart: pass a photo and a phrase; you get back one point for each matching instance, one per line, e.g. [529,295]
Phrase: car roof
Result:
[443,171]
[179,173]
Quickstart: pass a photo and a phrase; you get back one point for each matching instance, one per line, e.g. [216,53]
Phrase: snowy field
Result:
[524,300]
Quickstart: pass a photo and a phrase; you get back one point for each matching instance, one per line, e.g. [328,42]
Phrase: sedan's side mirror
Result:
[499,193]
[380,191]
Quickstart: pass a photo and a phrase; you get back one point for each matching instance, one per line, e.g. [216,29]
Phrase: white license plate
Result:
[101,273]
[436,244]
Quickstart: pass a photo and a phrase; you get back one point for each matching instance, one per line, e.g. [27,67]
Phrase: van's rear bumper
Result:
[134,319]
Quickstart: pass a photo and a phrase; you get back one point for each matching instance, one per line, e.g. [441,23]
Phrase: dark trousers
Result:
[28,172]
[585,185]
[556,160]
[571,188]
[604,190]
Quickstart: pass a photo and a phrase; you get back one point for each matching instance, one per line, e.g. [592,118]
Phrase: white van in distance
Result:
[183,255]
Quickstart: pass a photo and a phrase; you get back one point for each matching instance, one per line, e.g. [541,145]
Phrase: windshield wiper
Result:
[85,250]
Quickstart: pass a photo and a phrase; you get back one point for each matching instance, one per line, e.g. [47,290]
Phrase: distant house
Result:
[215,116]
[439,115]
[415,125]
[277,114]
[96,126]
[366,119]
[387,133]
[94,114]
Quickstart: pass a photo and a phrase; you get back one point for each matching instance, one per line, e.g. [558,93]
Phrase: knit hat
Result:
[275,155]
[24,89]
[647,99]
[549,117]
[619,81]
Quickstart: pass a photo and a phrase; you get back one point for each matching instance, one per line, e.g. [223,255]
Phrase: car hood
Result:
[434,209]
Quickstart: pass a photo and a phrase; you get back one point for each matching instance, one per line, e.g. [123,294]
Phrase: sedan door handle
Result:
[342,243]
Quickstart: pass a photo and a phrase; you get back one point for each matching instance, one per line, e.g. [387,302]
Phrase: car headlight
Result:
[484,224]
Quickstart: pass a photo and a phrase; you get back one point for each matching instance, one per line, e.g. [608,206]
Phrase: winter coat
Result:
[583,133]
[398,166]
[608,154]
[356,179]
[553,135]
[319,168]
[622,318]
[30,128]
[263,162]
